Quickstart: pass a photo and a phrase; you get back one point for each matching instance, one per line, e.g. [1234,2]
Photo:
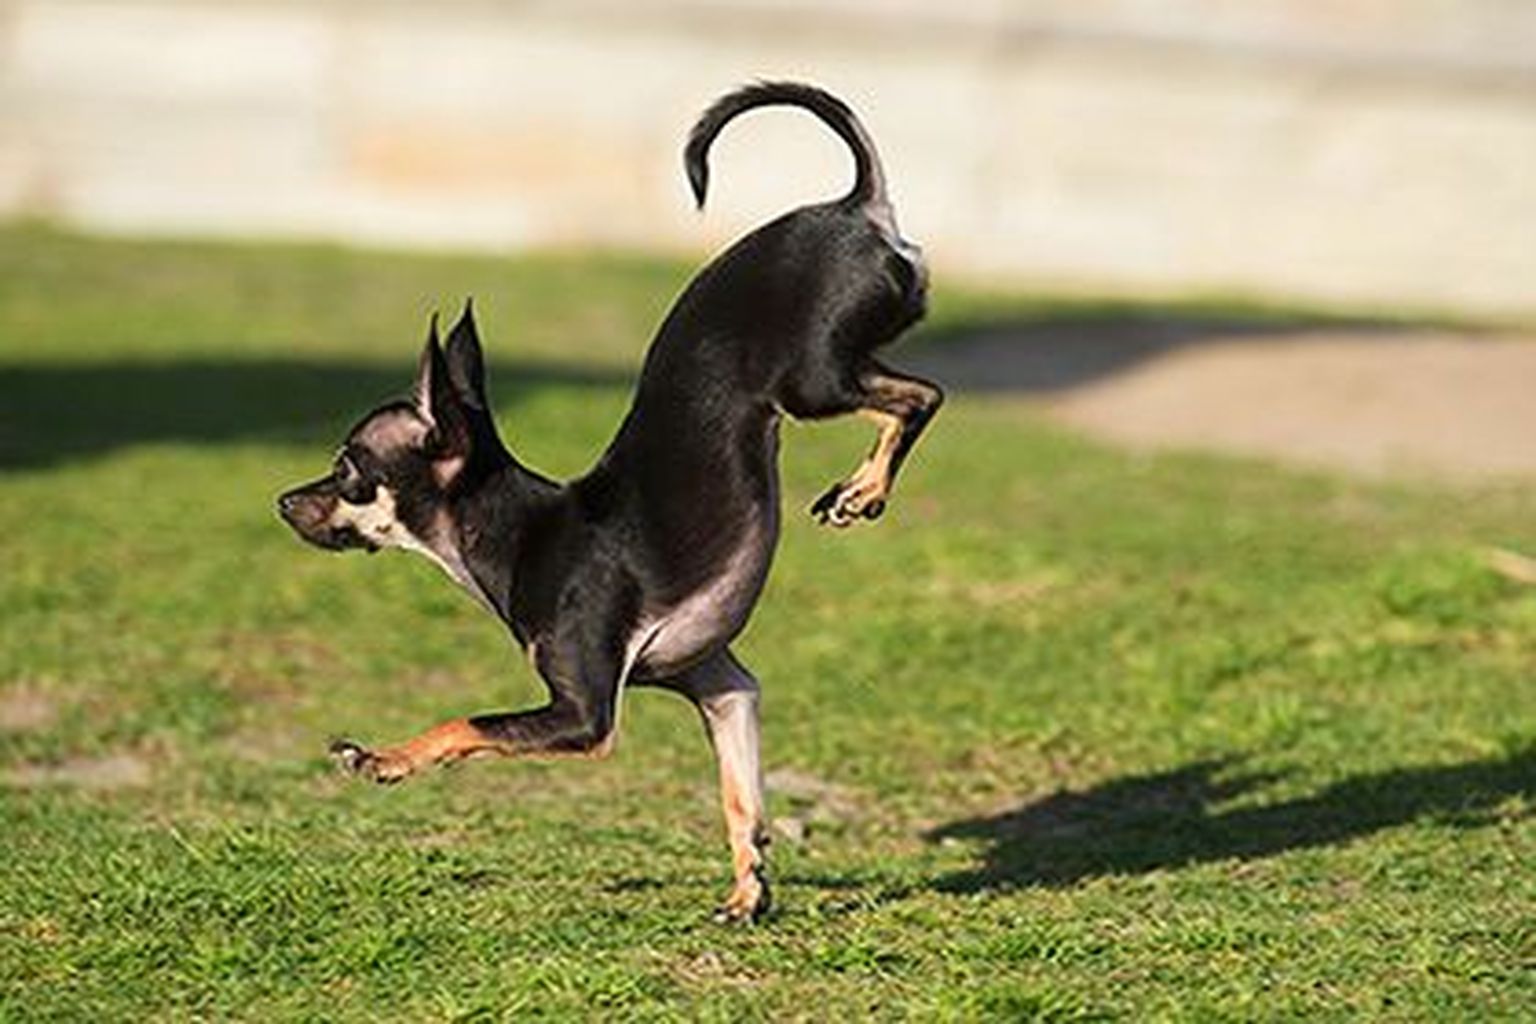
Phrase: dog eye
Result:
[355,489]
[358,491]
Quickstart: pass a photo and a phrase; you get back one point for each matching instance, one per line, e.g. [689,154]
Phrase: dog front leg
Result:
[578,722]
[553,731]
[902,406]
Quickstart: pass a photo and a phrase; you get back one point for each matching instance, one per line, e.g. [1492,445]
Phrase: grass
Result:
[1070,735]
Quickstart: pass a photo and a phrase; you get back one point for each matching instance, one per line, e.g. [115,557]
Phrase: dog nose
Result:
[286,504]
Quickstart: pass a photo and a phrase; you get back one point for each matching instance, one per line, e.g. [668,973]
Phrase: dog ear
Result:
[466,361]
[438,402]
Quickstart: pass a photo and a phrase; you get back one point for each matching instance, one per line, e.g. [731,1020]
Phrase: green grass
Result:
[1099,736]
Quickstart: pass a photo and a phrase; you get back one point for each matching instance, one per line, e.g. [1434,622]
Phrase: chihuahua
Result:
[642,571]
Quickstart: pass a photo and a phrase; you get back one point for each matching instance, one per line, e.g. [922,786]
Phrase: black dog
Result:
[642,571]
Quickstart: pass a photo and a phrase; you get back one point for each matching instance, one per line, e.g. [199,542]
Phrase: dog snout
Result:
[300,509]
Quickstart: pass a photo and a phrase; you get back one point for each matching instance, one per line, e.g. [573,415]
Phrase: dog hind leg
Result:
[726,695]
[902,406]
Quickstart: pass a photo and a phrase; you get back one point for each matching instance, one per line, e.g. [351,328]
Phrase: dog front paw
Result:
[847,502]
[381,766]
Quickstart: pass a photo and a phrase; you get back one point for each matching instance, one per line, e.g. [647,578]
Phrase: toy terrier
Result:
[642,571]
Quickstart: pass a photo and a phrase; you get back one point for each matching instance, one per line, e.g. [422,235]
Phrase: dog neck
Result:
[485,528]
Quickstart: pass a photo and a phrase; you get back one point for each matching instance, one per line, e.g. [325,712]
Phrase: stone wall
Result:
[1353,151]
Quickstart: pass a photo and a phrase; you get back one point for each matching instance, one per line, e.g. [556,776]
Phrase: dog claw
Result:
[734,916]
[823,505]
[844,504]
[346,753]
[747,903]
[360,761]
[830,510]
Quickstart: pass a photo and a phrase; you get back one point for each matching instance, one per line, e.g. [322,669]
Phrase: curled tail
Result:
[868,179]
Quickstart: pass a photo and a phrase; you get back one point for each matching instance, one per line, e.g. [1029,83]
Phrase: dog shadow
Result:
[1176,819]
[58,412]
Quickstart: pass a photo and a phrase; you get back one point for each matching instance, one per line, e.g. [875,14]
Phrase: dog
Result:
[642,571]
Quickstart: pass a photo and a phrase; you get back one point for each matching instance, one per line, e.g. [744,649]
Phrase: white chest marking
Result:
[378,522]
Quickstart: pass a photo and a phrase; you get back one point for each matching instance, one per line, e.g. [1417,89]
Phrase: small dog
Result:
[644,570]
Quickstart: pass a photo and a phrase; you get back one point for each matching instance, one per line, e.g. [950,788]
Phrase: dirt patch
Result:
[26,710]
[1369,399]
[114,771]
[814,802]
[1512,565]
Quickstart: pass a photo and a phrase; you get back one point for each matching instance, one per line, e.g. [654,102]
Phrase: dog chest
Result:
[713,613]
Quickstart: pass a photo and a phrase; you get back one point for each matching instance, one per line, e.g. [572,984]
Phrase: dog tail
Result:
[868,178]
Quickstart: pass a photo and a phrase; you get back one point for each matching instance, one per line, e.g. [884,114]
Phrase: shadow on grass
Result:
[1069,348]
[1172,819]
[55,413]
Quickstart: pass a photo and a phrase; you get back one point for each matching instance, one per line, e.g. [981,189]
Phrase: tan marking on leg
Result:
[450,741]
[876,468]
[601,751]
[871,482]
[443,744]
[447,742]
[733,726]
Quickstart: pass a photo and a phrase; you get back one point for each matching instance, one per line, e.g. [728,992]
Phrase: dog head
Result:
[397,470]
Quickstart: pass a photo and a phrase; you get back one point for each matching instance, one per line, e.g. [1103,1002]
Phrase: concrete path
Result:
[1380,400]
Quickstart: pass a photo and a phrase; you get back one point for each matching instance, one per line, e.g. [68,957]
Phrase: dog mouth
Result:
[343,539]
[331,538]
[310,519]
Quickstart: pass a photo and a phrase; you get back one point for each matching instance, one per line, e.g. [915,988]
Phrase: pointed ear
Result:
[438,402]
[466,362]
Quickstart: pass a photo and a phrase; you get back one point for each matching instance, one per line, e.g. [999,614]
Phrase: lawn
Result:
[1071,734]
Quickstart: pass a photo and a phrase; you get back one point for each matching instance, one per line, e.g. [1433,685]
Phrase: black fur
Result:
[587,573]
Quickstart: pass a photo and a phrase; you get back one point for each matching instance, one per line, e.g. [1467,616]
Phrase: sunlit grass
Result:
[1070,734]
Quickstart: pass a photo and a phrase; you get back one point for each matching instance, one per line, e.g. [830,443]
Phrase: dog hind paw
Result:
[845,503]
[748,902]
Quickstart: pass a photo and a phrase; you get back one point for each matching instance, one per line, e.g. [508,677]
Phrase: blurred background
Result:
[1371,161]
[1358,151]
